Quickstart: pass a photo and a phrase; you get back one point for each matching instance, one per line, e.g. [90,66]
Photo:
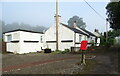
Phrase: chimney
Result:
[58,19]
[74,25]
[96,30]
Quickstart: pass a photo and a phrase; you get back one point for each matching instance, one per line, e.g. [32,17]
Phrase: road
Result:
[38,63]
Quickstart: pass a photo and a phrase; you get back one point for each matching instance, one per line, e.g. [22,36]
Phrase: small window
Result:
[80,38]
[41,39]
[9,38]
[88,38]
[85,37]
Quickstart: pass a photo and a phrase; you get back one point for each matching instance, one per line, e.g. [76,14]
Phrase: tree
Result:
[79,22]
[111,37]
[113,13]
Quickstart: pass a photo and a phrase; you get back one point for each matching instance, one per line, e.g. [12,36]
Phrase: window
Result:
[88,38]
[80,38]
[41,39]
[85,37]
[9,38]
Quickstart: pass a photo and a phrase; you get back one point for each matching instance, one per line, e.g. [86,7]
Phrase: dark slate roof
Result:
[23,30]
[88,32]
[74,29]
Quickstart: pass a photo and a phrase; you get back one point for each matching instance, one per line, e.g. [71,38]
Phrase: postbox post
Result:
[83,47]
[82,57]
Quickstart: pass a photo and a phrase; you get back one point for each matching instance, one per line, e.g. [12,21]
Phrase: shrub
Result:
[61,52]
[67,50]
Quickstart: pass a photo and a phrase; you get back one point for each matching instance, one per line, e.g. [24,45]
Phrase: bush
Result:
[67,50]
[110,41]
[92,43]
[61,52]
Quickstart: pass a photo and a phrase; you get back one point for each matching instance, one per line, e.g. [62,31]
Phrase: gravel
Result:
[58,67]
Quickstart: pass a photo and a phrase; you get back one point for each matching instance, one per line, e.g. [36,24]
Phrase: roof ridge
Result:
[88,32]
[23,30]
[74,29]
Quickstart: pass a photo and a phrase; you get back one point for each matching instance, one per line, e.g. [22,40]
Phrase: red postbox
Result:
[83,45]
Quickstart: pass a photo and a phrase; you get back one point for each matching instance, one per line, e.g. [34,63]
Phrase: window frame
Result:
[41,39]
[9,38]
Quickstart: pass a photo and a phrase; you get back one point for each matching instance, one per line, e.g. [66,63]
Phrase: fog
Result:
[8,27]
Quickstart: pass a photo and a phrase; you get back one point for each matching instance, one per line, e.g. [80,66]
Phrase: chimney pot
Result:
[74,25]
[96,30]
[58,18]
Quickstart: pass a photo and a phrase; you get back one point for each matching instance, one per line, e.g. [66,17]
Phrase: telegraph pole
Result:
[106,30]
[56,24]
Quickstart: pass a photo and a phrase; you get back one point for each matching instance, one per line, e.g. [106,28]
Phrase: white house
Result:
[67,36]
[96,32]
[24,41]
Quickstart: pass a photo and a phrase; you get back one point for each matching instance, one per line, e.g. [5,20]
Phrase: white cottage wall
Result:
[33,43]
[12,47]
[15,36]
[50,38]
[98,42]
[79,38]
[64,34]
[66,38]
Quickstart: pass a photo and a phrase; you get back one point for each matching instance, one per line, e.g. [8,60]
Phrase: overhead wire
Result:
[94,10]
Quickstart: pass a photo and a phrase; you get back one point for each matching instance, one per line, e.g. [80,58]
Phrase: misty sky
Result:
[42,13]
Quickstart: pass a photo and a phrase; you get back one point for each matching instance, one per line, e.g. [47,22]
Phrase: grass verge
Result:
[89,65]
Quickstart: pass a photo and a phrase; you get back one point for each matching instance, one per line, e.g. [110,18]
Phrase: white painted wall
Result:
[91,38]
[98,38]
[31,46]
[98,42]
[50,35]
[21,46]
[12,47]
[64,34]
[16,35]
[78,39]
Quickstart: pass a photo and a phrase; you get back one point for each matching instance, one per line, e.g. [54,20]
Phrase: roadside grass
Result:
[58,52]
[61,52]
[112,52]
[89,65]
